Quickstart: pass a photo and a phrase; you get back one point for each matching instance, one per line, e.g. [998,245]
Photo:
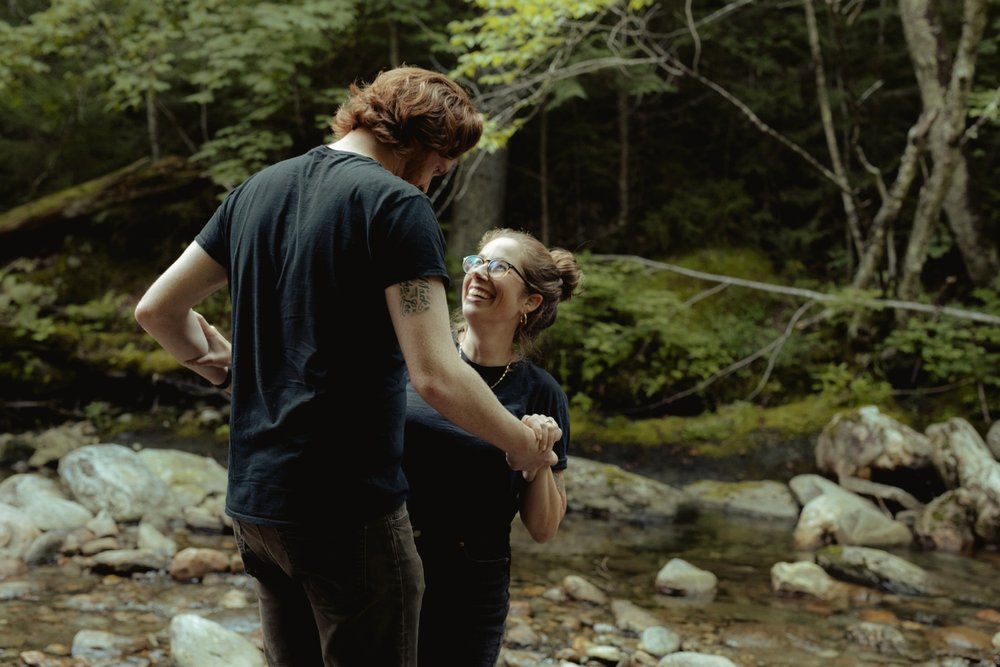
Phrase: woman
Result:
[462,519]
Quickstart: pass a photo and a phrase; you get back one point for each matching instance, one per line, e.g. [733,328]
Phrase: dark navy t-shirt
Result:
[310,245]
[461,485]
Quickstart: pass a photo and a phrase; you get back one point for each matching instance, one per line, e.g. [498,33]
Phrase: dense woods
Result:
[777,203]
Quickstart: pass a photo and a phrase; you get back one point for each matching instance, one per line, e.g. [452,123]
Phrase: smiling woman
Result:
[465,550]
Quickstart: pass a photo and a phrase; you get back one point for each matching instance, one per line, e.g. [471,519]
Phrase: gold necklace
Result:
[506,370]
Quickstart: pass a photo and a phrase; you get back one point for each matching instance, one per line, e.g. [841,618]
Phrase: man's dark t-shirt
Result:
[310,244]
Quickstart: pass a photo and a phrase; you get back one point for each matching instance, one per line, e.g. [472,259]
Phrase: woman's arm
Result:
[543,504]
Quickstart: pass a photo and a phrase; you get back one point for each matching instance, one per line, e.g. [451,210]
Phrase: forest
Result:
[782,208]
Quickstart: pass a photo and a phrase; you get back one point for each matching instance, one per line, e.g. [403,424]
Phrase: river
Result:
[745,620]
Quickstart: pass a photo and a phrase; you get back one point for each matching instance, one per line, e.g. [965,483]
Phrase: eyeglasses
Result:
[496,268]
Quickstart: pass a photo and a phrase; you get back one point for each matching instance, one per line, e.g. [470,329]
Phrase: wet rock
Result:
[633,618]
[191,477]
[581,589]
[877,568]
[766,499]
[43,501]
[659,641]
[804,578]
[45,548]
[604,489]
[857,441]
[693,659]
[17,532]
[678,577]
[883,638]
[126,562]
[946,523]
[53,444]
[832,514]
[200,642]
[151,539]
[94,645]
[114,479]
[195,563]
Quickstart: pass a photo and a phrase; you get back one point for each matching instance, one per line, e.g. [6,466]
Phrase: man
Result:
[335,267]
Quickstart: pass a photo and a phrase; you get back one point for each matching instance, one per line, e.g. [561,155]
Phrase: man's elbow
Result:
[144,313]
[149,314]
[428,386]
[543,534]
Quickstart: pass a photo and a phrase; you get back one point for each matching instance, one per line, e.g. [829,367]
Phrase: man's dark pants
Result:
[341,597]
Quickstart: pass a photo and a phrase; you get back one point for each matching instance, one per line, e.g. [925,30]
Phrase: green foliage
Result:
[630,340]
[949,350]
[237,151]
[24,303]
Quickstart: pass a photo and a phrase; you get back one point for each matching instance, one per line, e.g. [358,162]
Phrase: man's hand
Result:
[545,432]
[219,353]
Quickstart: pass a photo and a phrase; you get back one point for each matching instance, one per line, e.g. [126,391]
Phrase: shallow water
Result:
[745,620]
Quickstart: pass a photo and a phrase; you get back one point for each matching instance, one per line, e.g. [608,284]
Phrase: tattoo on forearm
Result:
[415,296]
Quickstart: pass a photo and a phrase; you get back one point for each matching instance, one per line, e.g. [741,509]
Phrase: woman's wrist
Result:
[228,381]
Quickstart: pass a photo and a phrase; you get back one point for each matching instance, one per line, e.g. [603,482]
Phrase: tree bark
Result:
[623,157]
[543,173]
[944,88]
[478,206]
[826,116]
[892,202]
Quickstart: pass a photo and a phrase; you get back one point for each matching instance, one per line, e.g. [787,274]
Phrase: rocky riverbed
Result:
[641,573]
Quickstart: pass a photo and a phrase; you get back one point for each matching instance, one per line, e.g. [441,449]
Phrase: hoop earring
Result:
[524,319]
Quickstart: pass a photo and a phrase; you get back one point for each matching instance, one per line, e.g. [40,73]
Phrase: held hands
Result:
[546,432]
[219,353]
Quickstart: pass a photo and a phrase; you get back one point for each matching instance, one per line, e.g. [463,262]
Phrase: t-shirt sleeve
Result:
[408,242]
[214,236]
[551,400]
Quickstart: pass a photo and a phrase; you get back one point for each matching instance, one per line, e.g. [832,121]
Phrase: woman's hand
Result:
[547,432]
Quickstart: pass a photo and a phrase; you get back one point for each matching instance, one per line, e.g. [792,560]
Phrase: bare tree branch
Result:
[896,304]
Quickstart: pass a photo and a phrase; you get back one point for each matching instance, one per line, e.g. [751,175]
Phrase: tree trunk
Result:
[151,127]
[393,44]
[623,143]
[826,116]
[892,202]
[944,87]
[478,207]
[543,171]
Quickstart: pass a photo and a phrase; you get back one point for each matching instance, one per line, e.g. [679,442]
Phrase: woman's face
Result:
[489,300]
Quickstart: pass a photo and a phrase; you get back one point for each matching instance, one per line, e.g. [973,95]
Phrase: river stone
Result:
[993,439]
[114,479]
[199,642]
[97,645]
[631,617]
[803,578]
[191,477]
[767,499]
[17,532]
[126,562]
[692,659]
[44,501]
[885,639]
[604,489]
[678,577]
[862,439]
[873,567]
[659,641]
[579,588]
